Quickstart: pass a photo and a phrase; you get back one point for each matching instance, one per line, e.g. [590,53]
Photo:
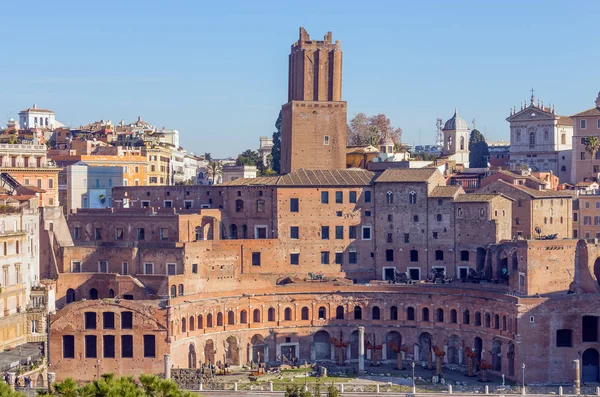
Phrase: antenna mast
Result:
[439,135]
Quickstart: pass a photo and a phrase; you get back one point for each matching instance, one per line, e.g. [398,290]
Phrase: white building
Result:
[540,139]
[38,118]
[231,173]
[91,186]
[266,145]
[456,140]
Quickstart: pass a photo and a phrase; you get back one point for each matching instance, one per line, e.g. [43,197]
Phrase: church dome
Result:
[386,141]
[456,123]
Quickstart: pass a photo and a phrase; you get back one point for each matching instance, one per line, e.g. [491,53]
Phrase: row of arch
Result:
[488,320]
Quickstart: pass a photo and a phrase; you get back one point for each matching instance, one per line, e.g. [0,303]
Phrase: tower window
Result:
[326,140]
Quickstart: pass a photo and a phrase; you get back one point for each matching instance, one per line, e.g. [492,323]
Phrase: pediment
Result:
[531,113]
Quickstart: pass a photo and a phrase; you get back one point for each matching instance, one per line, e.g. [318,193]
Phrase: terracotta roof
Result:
[33,188]
[36,110]
[300,178]
[589,112]
[585,183]
[565,120]
[533,192]
[362,149]
[445,191]
[407,175]
[475,198]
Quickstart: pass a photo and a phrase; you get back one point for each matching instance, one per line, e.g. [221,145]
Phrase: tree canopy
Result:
[479,152]
[368,130]
[276,149]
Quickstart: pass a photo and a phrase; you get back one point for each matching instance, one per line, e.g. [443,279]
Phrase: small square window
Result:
[294,232]
[195,268]
[256,259]
[326,140]
[324,257]
[367,213]
[352,197]
[294,259]
[338,258]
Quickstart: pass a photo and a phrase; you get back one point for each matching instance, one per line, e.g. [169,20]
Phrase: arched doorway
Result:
[93,294]
[354,345]
[496,355]
[424,346]
[453,346]
[322,345]
[480,259]
[70,295]
[232,355]
[192,356]
[258,348]
[589,361]
[511,360]
[391,339]
[111,293]
[209,351]
[477,347]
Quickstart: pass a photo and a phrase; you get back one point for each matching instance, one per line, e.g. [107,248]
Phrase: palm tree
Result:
[214,171]
[592,144]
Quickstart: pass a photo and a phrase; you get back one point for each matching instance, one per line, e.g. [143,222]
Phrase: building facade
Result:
[585,124]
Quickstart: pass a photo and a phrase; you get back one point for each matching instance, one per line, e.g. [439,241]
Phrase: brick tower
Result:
[313,123]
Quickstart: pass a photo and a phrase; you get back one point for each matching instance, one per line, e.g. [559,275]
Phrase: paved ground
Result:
[8,358]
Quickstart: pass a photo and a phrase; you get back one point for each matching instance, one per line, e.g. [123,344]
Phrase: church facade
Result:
[540,139]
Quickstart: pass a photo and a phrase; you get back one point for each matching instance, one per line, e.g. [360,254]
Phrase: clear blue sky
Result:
[217,70]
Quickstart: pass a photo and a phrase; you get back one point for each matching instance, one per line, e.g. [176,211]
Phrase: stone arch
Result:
[70,295]
[496,355]
[304,313]
[243,317]
[410,313]
[259,348]
[40,381]
[480,259]
[339,313]
[271,314]
[322,345]
[192,323]
[357,313]
[256,316]
[287,314]
[230,318]
[439,315]
[589,365]
[173,291]
[232,354]
[192,356]
[93,294]
[209,351]
[453,348]
[181,289]
[478,346]
[233,234]
[488,320]
[424,346]
[219,319]
[375,313]
[111,293]
[322,313]
[209,320]
[394,313]
[478,318]
[392,337]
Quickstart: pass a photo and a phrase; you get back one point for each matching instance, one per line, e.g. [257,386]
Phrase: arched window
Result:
[256,316]
[497,321]
[449,142]
[239,205]
[410,314]
[453,316]
[477,318]
[488,320]
[389,197]
[209,322]
[517,221]
[192,325]
[111,293]
[466,317]
[564,169]
[260,206]
[322,313]
[173,291]
[412,197]
[70,295]
[243,317]
[503,323]
[183,325]
[287,314]
[93,294]
[532,138]
[271,314]
[357,313]
[518,136]
[462,143]
[219,319]
[339,313]
[393,313]
[439,314]
[35,120]
[46,121]
[375,313]
[425,314]
[304,313]
[230,318]
[180,289]
[200,321]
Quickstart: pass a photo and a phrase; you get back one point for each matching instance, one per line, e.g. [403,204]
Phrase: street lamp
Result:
[414,387]
[523,388]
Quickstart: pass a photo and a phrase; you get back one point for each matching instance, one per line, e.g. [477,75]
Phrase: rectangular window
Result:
[582,155]
[127,346]
[256,259]
[98,233]
[50,183]
[102,267]
[294,259]
[108,320]
[352,257]
[76,267]
[260,232]
[125,268]
[108,345]
[575,216]
[148,268]
[97,182]
[76,233]
[416,218]
[366,232]
[389,255]
[126,320]
[68,342]
[438,217]
[352,197]
[89,320]
[564,338]
[367,213]
[119,233]
[90,346]
[339,257]
[149,346]
[39,183]
[583,124]
[406,237]
[324,232]
[324,197]
[145,203]
[294,205]
[141,233]
[390,237]
[339,197]
[171,269]
[168,204]
[435,235]
[294,232]
[324,257]
[414,256]
[352,232]
[164,233]
[367,196]
[589,329]
[194,268]
[339,232]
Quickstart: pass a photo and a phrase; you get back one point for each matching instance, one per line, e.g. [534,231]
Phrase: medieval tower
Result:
[313,124]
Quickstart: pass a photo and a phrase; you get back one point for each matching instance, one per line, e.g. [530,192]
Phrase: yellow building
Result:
[159,159]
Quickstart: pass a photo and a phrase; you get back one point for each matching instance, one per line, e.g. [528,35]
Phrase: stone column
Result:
[12,377]
[460,357]
[361,350]
[577,383]
[167,363]
[446,354]
[416,353]
[51,380]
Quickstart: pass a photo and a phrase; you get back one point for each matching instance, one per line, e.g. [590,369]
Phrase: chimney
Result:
[34,106]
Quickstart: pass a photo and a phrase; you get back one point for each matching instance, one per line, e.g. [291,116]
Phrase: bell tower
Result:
[313,122]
